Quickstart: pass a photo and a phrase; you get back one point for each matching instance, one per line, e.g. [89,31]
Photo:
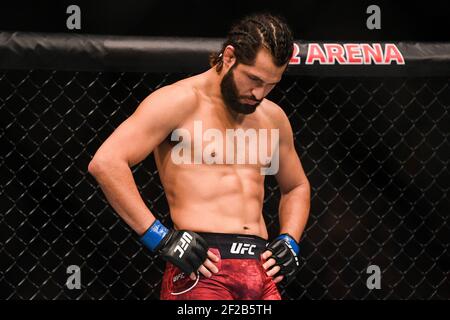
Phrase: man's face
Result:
[243,87]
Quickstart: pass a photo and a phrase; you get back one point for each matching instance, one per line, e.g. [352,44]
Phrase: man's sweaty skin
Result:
[222,198]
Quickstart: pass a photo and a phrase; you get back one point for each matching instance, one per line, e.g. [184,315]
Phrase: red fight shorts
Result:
[241,275]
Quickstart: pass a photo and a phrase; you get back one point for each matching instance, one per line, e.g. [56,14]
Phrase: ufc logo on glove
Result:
[183,244]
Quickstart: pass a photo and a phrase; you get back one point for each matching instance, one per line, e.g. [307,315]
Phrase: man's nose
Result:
[258,93]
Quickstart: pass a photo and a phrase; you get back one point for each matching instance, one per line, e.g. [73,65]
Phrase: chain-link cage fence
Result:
[375,150]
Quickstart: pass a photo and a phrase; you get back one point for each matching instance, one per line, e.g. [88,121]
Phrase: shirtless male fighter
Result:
[202,130]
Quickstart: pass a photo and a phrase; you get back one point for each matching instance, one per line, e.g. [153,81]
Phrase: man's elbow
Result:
[299,188]
[304,187]
[305,184]
[93,167]
[307,188]
[102,163]
[98,164]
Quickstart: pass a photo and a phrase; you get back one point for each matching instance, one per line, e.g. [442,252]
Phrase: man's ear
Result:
[229,59]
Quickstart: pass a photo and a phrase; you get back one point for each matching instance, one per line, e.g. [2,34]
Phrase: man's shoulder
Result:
[274,112]
[278,119]
[181,95]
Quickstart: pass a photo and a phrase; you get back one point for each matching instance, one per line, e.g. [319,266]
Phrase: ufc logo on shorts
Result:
[183,244]
[241,248]
[178,277]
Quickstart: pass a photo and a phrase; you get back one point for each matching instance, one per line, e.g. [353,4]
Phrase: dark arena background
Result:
[373,140]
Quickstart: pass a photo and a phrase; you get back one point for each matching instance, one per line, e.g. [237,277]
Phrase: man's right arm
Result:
[154,119]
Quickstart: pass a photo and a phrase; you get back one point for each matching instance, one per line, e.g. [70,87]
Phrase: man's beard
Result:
[230,95]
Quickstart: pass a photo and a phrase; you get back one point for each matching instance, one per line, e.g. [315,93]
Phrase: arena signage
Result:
[347,54]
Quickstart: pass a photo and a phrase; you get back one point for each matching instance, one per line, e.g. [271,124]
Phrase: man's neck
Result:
[212,88]
[212,84]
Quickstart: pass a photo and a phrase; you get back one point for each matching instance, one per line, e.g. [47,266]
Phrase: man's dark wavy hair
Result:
[254,32]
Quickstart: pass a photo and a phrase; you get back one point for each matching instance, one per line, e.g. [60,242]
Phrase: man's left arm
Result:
[294,186]
[293,209]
